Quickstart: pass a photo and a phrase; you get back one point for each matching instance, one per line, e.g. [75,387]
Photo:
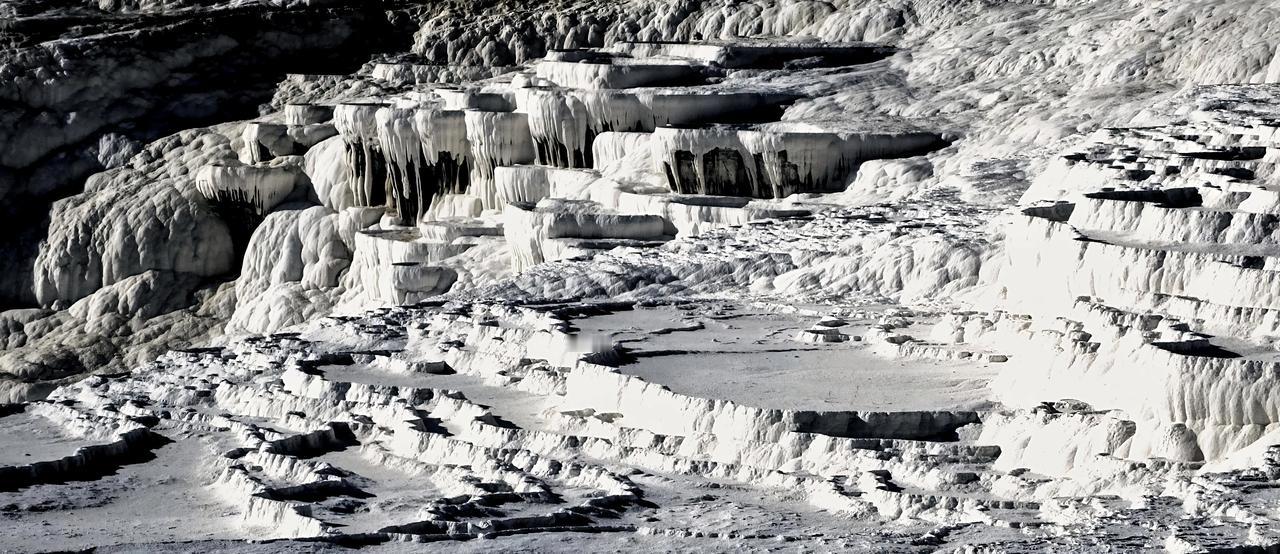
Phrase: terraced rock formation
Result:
[859,275]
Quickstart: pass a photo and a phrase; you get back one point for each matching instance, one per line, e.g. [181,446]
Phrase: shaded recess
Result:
[259,45]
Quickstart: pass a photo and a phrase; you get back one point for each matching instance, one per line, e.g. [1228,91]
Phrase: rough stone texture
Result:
[646,275]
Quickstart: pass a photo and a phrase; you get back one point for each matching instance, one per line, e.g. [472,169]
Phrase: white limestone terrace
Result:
[495,426]
[403,69]
[760,54]
[1154,268]
[652,275]
[565,122]
[615,72]
[775,160]
[458,155]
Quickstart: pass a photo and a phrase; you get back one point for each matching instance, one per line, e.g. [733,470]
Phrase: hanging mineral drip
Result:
[426,151]
[560,127]
[357,124]
[242,195]
[707,161]
[565,122]
[528,184]
[447,159]
[773,161]
[266,141]
[403,151]
[497,139]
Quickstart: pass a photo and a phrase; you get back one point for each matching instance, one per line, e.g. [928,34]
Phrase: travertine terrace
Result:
[648,275]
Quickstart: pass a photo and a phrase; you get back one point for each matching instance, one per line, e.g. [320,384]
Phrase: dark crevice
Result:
[220,87]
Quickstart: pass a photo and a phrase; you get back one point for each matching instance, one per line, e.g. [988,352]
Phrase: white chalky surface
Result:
[704,276]
[750,356]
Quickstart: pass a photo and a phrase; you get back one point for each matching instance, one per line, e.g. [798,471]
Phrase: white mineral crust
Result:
[642,275]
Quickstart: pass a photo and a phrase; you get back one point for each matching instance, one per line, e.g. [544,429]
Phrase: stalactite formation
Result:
[497,139]
[242,195]
[428,155]
[772,161]
[357,124]
[565,122]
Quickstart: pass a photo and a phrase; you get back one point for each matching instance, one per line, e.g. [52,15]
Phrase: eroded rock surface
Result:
[857,275]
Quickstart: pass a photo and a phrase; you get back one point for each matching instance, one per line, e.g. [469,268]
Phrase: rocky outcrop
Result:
[146,216]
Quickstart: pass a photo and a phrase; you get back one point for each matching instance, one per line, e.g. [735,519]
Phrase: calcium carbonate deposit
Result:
[640,275]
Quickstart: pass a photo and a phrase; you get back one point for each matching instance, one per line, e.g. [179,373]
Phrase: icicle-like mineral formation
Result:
[565,122]
[258,187]
[427,156]
[497,139]
[243,194]
[357,123]
[307,114]
[773,161]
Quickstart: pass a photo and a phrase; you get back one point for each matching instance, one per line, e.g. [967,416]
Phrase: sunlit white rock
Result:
[497,139]
[260,187]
